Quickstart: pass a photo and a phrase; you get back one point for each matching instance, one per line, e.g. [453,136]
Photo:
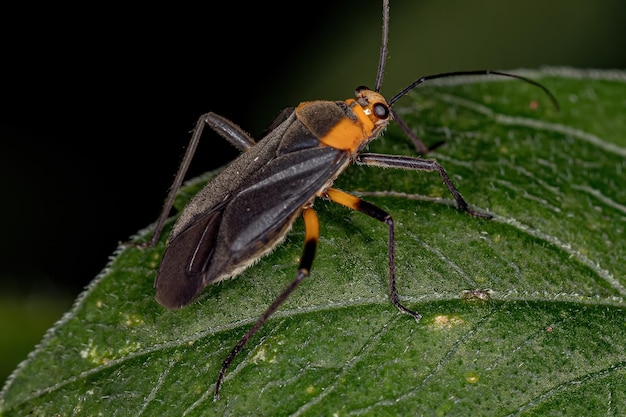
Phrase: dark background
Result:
[97,104]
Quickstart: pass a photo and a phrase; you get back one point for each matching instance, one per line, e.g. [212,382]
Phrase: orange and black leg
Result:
[312,234]
[379,214]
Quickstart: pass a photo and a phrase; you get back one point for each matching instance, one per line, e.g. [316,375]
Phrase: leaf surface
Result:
[523,314]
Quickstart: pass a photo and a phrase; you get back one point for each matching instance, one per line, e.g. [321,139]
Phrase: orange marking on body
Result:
[349,134]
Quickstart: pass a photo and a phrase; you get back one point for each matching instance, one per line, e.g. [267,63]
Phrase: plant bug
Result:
[249,207]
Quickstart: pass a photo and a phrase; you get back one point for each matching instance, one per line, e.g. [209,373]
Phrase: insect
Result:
[249,207]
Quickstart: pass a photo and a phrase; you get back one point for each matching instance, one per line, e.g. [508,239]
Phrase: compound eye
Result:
[360,88]
[381,111]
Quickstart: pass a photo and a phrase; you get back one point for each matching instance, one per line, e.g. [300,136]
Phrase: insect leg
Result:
[225,128]
[418,164]
[311,224]
[379,214]
[420,146]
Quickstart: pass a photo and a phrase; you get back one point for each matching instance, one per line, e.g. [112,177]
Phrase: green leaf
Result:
[523,314]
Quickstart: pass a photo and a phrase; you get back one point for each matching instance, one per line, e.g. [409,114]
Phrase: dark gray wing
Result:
[230,236]
[179,279]
[259,214]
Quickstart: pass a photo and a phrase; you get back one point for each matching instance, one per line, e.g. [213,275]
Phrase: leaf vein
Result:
[564,386]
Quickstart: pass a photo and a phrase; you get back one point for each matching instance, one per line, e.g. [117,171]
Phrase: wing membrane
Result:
[259,214]
[222,240]
[185,261]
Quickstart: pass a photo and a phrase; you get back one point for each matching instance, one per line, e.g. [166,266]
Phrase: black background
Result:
[98,100]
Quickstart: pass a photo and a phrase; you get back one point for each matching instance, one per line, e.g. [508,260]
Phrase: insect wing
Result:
[258,216]
[225,239]
[179,279]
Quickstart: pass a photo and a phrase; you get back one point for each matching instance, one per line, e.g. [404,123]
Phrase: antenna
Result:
[465,73]
[383,61]
[383,46]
